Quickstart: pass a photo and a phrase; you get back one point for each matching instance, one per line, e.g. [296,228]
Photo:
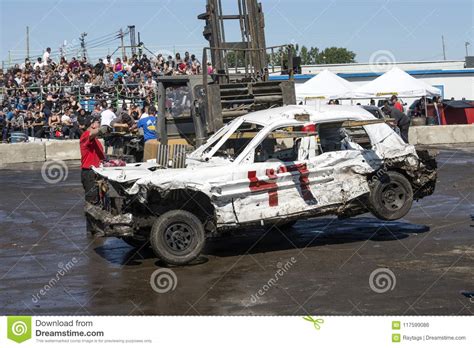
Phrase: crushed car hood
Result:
[203,175]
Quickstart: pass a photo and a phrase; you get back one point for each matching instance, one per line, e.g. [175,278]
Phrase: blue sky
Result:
[409,29]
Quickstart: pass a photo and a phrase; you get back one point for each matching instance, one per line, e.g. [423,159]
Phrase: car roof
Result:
[369,107]
[323,113]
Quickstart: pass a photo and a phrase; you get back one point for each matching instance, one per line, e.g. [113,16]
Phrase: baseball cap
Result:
[90,120]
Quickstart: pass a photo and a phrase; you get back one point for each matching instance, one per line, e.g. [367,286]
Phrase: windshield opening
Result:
[235,143]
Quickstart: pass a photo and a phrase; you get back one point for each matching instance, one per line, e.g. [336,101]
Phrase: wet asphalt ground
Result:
[50,266]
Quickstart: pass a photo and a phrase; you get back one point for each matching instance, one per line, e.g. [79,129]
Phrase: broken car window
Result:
[282,144]
[340,137]
[237,141]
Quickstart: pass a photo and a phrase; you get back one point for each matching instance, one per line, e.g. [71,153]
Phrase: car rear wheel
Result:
[177,237]
[391,197]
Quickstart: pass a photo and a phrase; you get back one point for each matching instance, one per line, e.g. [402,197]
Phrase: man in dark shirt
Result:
[99,67]
[29,120]
[401,119]
[38,125]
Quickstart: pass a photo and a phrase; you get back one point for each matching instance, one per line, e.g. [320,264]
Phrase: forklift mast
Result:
[238,84]
[252,45]
[241,86]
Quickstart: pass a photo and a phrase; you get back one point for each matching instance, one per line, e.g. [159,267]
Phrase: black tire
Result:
[177,237]
[137,243]
[92,229]
[391,197]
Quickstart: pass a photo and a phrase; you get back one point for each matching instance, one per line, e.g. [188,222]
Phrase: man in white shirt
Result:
[107,116]
[66,118]
[18,79]
[145,113]
[46,55]
[25,64]
[38,64]
[108,60]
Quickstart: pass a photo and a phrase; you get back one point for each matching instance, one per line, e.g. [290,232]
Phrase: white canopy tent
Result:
[396,82]
[325,85]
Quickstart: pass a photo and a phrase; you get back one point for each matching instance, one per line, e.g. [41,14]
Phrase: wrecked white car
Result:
[267,168]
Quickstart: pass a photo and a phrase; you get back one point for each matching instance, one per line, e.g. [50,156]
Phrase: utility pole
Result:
[122,44]
[467,50]
[444,47]
[9,59]
[83,44]
[133,42]
[140,46]
[28,42]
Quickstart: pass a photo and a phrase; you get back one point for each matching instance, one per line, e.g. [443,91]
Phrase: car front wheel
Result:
[177,237]
[391,197]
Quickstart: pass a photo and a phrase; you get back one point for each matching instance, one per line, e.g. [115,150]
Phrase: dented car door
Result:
[279,180]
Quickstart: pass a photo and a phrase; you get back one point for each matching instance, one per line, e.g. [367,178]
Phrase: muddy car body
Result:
[270,167]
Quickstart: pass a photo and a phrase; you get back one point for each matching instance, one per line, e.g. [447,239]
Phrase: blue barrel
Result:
[18,137]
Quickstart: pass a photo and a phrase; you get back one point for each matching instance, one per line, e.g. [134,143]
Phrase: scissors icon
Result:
[316,322]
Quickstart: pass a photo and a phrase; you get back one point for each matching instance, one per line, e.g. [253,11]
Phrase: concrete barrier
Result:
[437,135]
[40,151]
[62,150]
[22,152]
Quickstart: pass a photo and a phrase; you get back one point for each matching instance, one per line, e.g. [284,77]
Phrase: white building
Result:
[450,76]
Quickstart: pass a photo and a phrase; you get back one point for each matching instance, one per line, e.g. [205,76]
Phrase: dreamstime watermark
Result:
[281,271]
[380,173]
[70,47]
[163,280]
[54,172]
[382,280]
[63,269]
[19,328]
[388,164]
[381,60]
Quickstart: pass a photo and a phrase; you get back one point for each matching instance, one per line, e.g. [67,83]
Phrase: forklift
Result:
[191,108]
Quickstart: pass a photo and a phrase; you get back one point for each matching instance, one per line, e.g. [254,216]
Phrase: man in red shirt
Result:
[396,103]
[92,154]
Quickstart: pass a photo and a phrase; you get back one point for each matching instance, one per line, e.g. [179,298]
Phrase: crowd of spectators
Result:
[49,98]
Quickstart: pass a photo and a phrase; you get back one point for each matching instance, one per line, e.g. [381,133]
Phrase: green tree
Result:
[305,56]
[313,55]
[336,55]
[330,55]
[235,56]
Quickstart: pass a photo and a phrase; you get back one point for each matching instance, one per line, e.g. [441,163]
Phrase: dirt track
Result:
[430,252]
